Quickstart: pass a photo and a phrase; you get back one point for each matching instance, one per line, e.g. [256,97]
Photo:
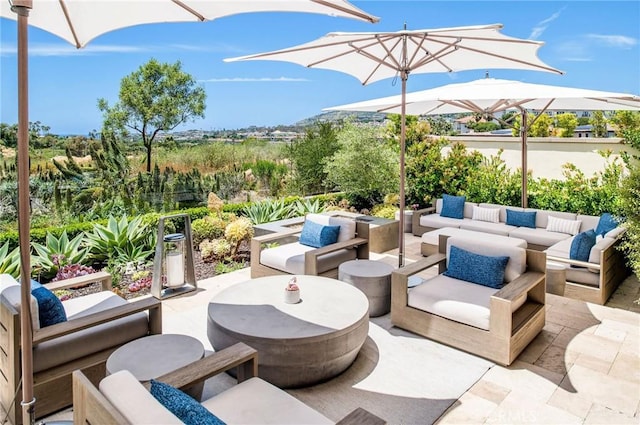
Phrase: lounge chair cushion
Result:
[289,258]
[476,268]
[76,345]
[185,407]
[452,206]
[347,225]
[133,400]
[50,309]
[521,218]
[457,300]
[516,265]
[256,401]
[317,235]
[10,294]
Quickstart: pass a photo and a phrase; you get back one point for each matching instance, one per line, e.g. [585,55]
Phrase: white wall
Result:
[547,155]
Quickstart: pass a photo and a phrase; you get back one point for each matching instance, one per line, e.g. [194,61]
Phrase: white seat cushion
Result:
[255,401]
[289,258]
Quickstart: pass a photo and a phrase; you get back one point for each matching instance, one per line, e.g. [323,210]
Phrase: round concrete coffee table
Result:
[155,355]
[298,344]
[371,277]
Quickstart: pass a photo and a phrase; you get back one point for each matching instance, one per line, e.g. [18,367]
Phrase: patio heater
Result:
[173,271]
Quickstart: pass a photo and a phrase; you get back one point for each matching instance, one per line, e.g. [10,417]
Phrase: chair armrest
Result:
[361,416]
[425,211]
[578,263]
[103,277]
[520,285]
[276,236]
[238,355]
[311,257]
[54,331]
[422,264]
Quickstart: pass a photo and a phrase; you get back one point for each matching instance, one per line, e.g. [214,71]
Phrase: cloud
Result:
[255,80]
[544,24]
[573,51]
[63,49]
[621,41]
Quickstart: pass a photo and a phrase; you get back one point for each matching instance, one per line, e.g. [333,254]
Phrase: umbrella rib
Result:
[190,10]
[436,57]
[63,6]
[358,14]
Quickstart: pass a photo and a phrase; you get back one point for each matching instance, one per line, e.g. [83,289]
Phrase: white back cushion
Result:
[10,291]
[347,226]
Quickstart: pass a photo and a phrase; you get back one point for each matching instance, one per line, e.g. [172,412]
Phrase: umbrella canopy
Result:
[373,56]
[78,22]
[489,96]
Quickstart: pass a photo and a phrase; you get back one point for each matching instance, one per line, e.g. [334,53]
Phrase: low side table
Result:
[155,355]
[373,278]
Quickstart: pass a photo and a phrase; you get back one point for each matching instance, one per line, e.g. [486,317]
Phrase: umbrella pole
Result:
[403,133]
[21,8]
[524,126]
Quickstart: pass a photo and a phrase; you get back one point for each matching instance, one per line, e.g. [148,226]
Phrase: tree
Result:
[157,97]
[439,126]
[515,130]
[308,155]
[365,167]
[599,124]
[625,120]
[541,127]
[415,130]
[567,123]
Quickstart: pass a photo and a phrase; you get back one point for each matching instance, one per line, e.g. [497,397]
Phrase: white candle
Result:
[175,269]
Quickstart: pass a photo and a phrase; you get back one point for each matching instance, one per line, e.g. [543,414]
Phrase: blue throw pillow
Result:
[606,224]
[521,218]
[317,235]
[186,408]
[452,206]
[581,245]
[481,269]
[50,307]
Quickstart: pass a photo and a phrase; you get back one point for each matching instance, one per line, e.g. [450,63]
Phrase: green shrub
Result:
[121,241]
[208,227]
[384,211]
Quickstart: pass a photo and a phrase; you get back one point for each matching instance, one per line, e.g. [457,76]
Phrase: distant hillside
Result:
[335,116]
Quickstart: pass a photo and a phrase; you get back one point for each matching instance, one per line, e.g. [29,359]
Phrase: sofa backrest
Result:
[588,222]
[502,208]
[542,216]
[517,256]
[347,225]
[468,208]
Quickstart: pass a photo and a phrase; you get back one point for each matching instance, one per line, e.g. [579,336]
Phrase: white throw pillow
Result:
[491,215]
[561,225]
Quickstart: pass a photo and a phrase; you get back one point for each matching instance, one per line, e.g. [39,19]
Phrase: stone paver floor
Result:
[584,367]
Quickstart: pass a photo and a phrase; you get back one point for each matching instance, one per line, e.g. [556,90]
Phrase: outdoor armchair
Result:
[496,324]
[97,325]
[122,399]
[283,252]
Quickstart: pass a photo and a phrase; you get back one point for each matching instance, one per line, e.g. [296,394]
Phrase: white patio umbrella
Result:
[373,56]
[489,96]
[78,22]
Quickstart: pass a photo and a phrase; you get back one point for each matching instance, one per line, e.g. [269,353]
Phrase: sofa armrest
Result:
[151,304]
[568,261]
[103,277]
[238,355]
[311,257]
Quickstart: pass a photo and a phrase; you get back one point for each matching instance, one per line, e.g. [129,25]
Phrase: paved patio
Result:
[583,368]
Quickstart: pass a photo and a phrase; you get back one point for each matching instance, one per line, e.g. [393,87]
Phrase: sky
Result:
[596,44]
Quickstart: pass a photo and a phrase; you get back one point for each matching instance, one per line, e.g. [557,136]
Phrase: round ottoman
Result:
[373,278]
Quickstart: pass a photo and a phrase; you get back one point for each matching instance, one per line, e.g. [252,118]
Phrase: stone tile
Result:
[612,333]
[616,394]
[626,367]
[554,359]
[489,391]
[469,409]
[570,402]
[593,363]
[565,336]
[553,328]
[526,379]
[595,346]
[535,349]
[518,408]
[631,345]
[602,415]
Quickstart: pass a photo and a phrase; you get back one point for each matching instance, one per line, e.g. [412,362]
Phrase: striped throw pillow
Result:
[491,215]
[561,225]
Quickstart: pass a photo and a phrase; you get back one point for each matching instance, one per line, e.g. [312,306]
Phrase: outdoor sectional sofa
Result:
[593,280]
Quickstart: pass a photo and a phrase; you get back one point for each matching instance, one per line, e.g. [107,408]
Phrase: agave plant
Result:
[57,253]
[10,261]
[267,211]
[304,206]
[121,240]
